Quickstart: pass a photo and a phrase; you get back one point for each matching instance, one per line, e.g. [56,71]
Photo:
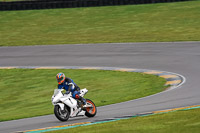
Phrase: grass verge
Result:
[173,122]
[179,21]
[27,92]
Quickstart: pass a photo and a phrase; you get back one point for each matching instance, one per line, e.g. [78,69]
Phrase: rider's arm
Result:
[71,87]
[75,86]
[60,86]
[70,84]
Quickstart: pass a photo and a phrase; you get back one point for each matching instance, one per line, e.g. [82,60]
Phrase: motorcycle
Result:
[65,106]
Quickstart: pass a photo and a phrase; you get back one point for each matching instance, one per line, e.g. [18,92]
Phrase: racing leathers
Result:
[70,86]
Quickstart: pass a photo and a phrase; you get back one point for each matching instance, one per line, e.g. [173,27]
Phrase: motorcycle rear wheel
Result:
[59,114]
[90,111]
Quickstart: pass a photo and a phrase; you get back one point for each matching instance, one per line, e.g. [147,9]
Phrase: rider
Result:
[68,84]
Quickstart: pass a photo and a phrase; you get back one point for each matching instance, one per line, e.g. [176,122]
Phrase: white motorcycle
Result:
[65,106]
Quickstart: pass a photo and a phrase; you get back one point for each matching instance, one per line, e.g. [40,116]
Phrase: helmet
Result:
[60,78]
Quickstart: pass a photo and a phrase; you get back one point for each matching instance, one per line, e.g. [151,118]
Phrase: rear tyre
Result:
[61,115]
[90,111]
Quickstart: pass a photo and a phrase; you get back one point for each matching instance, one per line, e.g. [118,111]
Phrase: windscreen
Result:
[56,91]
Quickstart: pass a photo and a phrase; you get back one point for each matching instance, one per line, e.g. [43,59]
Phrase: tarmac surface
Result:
[178,57]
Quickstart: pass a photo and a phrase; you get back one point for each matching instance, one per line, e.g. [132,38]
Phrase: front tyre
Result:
[62,115]
[90,111]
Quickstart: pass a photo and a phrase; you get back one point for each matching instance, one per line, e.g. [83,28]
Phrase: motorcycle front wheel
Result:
[61,115]
[90,111]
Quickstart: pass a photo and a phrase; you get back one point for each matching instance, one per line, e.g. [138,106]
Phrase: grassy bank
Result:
[27,92]
[178,21]
[173,122]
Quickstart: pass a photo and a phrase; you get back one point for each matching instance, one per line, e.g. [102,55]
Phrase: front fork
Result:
[62,106]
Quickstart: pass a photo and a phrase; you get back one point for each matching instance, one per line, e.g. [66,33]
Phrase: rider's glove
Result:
[67,92]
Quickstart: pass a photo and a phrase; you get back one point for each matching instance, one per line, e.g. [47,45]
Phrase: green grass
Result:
[173,122]
[27,92]
[179,21]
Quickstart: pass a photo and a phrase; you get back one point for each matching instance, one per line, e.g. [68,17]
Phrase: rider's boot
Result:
[83,100]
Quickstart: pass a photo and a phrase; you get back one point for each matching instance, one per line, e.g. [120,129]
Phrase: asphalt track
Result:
[177,57]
